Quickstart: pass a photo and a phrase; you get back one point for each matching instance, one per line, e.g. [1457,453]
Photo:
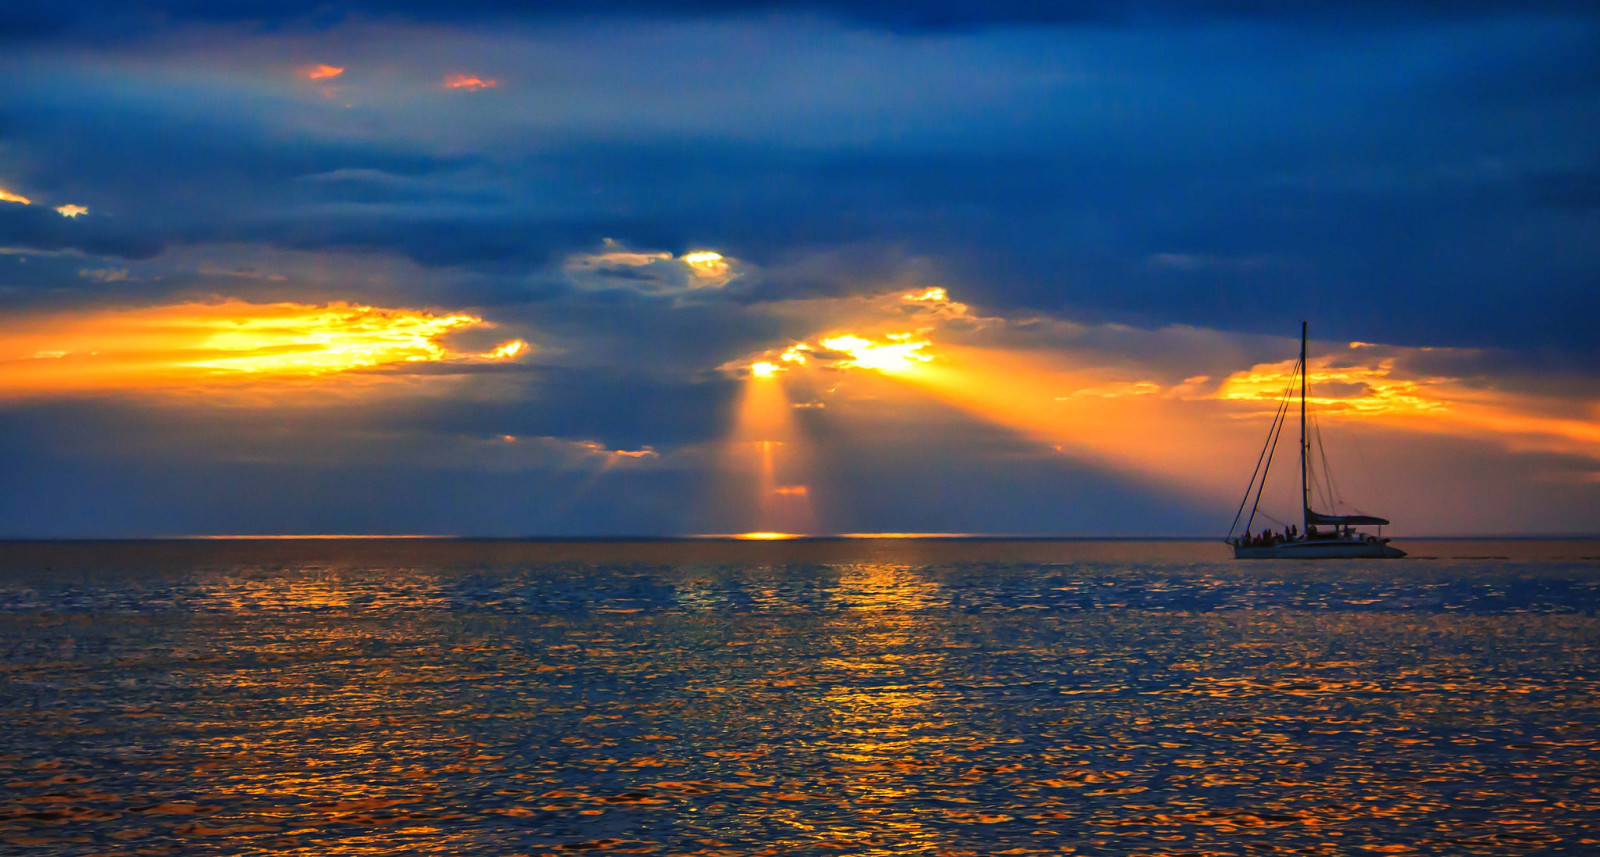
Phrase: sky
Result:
[618,268]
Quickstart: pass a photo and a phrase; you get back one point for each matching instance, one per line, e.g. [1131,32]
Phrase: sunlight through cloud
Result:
[617,267]
[228,342]
[900,354]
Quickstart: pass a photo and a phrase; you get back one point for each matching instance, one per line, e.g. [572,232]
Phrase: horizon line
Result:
[731,537]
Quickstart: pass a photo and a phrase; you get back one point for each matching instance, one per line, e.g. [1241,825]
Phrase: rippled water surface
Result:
[858,697]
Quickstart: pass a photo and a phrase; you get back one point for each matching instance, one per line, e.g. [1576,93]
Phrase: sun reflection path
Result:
[888,723]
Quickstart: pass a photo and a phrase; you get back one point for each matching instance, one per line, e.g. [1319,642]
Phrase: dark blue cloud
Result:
[103,21]
[1210,178]
[41,228]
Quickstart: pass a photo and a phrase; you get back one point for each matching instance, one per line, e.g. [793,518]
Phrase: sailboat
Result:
[1320,536]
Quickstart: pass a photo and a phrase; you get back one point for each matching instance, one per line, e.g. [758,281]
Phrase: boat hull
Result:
[1321,549]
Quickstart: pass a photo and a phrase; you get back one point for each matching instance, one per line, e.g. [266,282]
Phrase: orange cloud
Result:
[1373,389]
[8,196]
[1379,392]
[225,343]
[471,83]
[508,350]
[71,211]
[320,72]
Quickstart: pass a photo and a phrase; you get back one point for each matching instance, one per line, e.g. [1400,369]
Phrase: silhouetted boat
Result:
[1339,539]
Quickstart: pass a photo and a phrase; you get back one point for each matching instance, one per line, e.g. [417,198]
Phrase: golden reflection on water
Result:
[884,714]
[866,706]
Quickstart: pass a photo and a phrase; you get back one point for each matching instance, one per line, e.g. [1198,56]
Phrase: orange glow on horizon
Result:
[471,83]
[230,342]
[1124,413]
[1181,437]
[764,536]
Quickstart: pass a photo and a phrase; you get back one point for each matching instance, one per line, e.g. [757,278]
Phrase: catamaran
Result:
[1338,536]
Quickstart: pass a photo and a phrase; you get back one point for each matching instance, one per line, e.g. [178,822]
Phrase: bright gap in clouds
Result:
[225,343]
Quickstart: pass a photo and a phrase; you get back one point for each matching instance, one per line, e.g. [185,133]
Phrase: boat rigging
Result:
[1320,535]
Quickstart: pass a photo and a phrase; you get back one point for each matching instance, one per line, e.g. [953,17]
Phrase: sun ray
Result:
[766,450]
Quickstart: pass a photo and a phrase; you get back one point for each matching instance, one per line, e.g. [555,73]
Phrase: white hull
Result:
[1321,549]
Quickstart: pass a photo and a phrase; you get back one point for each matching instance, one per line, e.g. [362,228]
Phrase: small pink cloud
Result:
[320,71]
[471,83]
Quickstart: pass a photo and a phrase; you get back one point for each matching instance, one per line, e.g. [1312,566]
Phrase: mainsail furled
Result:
[1314,518]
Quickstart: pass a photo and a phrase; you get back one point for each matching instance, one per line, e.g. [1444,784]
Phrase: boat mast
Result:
[1305,495]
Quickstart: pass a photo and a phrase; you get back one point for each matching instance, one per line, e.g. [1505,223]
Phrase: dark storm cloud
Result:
[99,20]
[38,227]
[1572,189]
[1220,178]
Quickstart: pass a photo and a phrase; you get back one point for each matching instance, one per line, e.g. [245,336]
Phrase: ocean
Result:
[897,696]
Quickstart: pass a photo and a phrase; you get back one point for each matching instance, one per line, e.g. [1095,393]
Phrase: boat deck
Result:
[1367,548]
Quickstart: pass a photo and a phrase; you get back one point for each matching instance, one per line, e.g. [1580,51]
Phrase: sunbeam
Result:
[765,452]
